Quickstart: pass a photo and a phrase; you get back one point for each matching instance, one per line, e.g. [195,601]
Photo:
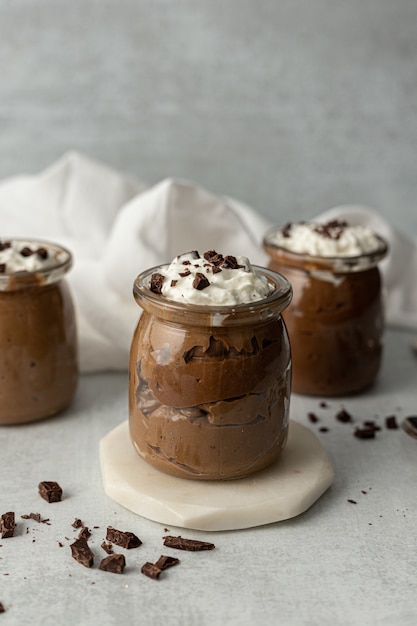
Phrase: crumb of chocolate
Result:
[151,570]
[107,547]
[26,251]
[364,492]
[2,609]
[50,491]
[312,417]
[2,268]
[323,404]
[343,416]
[156,283]
[364,433]
[173,282]
[200,281]
[391,422]
[7,525]
[5,245]
[230,262]
[42,253]
[352,501]
[126,539]
[80,551]
[77,523]
[114,563]
[323,429]
[164,562]
[84,533]
[192,545]
[184,274]
[34,516]
[61,545]
[371,424]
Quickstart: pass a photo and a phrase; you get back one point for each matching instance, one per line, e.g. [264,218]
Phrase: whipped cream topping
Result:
[330,239]
[211,279]
[24,256]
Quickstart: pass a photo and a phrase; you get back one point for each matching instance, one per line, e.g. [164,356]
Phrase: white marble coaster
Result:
[283,490]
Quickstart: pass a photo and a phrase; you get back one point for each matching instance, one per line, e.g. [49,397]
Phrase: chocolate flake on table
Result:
[114,563]
[343,416]
[156,283]
[7,525]
[126,539]
[77,523]
[84,533]
[37,517]
[107,547]
[50,491]
[192,545]
[80,551]
[364,433]
[164,562]
[391,422]
[312,417]
[200,281]
[151,570]
[352,501]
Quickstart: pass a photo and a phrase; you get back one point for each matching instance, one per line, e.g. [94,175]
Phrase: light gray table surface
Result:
[337,564]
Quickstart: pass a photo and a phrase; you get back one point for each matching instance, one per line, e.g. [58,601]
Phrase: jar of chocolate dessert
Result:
[38,338]
[335,320]
[210,372]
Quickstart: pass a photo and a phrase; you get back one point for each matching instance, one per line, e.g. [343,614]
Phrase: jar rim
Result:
[51,273]
[278,299]
[336,263]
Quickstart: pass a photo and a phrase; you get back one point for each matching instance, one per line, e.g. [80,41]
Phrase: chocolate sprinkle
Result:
[200,281]
[156,283]
[151,570]
[114,563]
[7,525]
[126,540]
[192,545]
[50,491]
[81,552]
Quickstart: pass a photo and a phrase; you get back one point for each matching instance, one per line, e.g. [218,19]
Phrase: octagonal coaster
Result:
[285,489]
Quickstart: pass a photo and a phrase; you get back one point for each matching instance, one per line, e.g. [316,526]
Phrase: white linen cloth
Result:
[116,227]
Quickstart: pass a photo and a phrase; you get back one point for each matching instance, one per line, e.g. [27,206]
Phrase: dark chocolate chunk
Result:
[186,273]
[391,422]
[4,245]
[81,552]
[50,491]
[344,416]
[312,417]
[84,533]
[323,429]
[214,257]
[26,251]
[7,525]
[77,523]
[372,424]
[365,433]
[42,253]
[166,561]
[2,268]
[126,540]
[107,547]
[230,262]
[156,283]
[173,283]
[352,501]
[192,545]
[114,563]
[200,281]
[151,570]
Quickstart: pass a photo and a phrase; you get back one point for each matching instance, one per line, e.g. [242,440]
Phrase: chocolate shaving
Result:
[126,540]
[352,501]
[84,533]
[114,563]
[7,525]
[77,523]
[151,570]
[200,281]
[344,416]
[81,552]
[50,491]
[107,547]
[192,545]
[156,283]
[164,562]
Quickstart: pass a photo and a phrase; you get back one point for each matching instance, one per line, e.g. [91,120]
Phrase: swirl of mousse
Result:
[210,378]
[210,280]
[330,239]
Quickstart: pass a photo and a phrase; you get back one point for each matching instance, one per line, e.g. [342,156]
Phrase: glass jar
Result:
[335,319]
[210,385]
[38,340]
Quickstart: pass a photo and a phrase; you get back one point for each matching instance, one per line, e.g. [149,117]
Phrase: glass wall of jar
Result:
[38,337]
[209,385]
[335,320]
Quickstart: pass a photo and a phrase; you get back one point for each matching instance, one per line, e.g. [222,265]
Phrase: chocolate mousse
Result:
[335,320]
[210,367]
[38,340]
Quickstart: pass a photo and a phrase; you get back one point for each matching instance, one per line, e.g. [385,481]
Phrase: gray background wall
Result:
[292,106]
